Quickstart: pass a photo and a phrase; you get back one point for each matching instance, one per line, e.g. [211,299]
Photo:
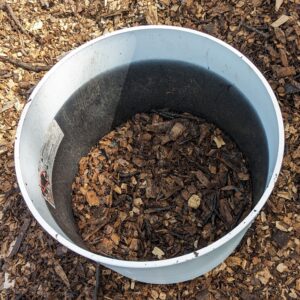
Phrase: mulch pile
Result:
[159,186]
[34,35]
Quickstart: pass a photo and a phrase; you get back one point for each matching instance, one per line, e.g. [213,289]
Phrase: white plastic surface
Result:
[123,47]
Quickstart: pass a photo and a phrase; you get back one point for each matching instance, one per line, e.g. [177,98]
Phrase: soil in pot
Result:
[160,185]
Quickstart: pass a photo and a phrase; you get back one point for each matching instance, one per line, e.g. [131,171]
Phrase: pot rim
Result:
[165,262]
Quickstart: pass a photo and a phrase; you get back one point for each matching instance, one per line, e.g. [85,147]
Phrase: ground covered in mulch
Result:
[35,34]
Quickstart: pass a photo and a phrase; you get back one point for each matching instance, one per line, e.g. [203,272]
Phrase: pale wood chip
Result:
[280,21]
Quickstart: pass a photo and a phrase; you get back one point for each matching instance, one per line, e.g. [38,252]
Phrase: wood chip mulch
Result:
[35,34]
[159,186]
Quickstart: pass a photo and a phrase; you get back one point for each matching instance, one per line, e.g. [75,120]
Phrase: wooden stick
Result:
[265,35]
[98,287]
[23,65]
[112,14]
[20,237]
[7,7]
[17,23]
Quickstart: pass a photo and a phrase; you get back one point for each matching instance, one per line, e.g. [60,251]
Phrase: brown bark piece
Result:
[283,57]
[280,35]
[285,71]
[92,198]
[176,131]
[202,178]
[226,211]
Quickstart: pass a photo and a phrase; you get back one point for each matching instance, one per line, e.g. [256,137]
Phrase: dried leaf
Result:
[280,21]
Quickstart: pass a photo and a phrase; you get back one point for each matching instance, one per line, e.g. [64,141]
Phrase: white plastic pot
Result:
[39,141]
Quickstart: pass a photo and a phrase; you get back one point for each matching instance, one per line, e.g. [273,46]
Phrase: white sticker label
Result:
[52,141]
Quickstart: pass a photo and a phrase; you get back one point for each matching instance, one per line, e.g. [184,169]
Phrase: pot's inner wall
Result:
[113,97]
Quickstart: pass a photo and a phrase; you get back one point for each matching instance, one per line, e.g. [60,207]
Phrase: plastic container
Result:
[52,135]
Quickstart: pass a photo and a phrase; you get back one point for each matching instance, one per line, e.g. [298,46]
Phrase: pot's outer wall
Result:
[104,54]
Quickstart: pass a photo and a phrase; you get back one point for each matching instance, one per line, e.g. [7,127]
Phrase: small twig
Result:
[12,191]
[128,175]
[98,286]
[14,18]
[178,235]
[23,65]
[200,22]
[16,23]
[112,14]
[189,139]
[265,35]
[157,209]
[172,115]
[20,237]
